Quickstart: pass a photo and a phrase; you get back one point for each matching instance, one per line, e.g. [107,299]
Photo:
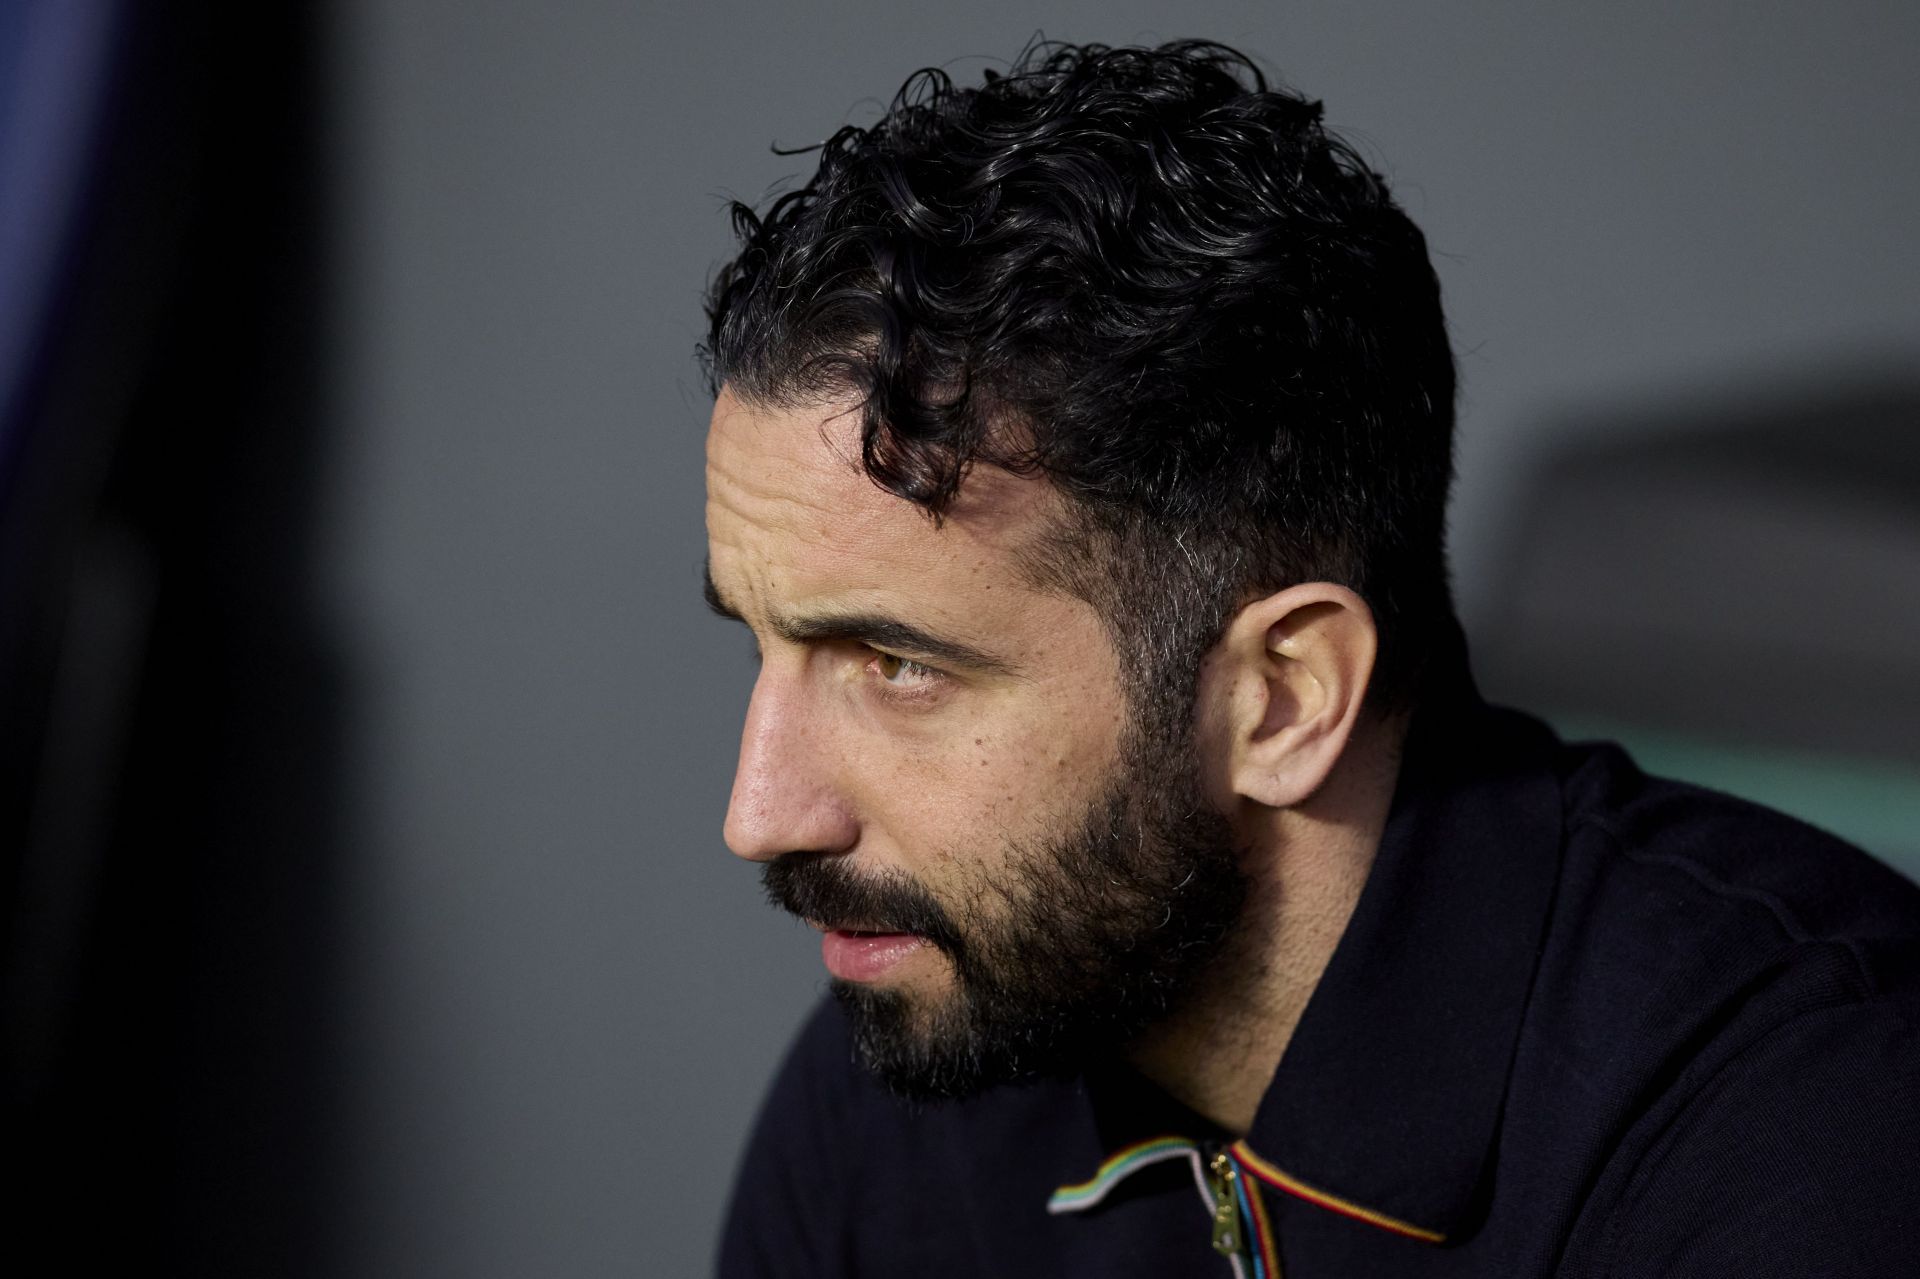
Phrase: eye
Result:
[900,672]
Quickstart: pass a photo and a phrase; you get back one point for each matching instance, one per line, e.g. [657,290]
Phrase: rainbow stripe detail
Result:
[1129,1160]
[1116,1169]
[1266,1262]
[1334,1203]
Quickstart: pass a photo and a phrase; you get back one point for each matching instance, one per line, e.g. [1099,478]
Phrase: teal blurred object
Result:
[1729,587]
[1868,802]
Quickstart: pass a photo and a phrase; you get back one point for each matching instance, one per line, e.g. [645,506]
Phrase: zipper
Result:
[1229,1239]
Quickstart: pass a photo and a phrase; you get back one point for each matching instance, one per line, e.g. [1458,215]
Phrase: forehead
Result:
[789,510]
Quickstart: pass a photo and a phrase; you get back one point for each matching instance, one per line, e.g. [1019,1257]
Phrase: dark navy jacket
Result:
[1583,1023]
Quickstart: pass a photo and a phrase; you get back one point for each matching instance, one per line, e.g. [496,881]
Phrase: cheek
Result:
[997,778]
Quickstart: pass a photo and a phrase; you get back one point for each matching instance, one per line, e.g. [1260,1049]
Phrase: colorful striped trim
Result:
[1122,1163]
[1265,1261]
[1345,1207]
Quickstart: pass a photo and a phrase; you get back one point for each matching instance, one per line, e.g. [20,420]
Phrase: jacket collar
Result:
[1387,1101]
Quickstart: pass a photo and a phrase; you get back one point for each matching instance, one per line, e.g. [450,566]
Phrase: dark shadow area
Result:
[1735,580]
[174,704]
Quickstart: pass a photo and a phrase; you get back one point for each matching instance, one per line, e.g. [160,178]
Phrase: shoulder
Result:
[1798,1156]
[1745,991]
[1673,873]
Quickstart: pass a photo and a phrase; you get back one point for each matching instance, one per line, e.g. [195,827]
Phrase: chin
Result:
[941,1049]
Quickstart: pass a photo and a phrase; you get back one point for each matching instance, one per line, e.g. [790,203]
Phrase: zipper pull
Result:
[1221,1175]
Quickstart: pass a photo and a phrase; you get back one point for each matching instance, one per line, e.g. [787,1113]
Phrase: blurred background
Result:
[365,739]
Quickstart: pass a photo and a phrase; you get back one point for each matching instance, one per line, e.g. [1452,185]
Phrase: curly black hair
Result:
[1157,280]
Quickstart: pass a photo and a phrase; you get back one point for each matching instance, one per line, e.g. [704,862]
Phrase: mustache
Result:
[820,888]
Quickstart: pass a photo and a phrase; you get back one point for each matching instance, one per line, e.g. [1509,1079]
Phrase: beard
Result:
[1081,940]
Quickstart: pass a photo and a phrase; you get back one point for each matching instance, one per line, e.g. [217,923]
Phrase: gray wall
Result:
[566,996]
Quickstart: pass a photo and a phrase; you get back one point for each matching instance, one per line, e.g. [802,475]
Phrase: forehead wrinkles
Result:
[784,530]
[772,495]
[797,471]
[794,478]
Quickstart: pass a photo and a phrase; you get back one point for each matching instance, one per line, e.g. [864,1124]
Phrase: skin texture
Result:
[903,762]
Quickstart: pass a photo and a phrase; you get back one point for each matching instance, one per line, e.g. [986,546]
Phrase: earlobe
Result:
[1302,659]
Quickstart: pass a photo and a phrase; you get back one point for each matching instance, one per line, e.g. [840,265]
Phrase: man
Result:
[1079,461]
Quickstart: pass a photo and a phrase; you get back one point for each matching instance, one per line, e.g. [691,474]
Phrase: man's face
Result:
[940,769]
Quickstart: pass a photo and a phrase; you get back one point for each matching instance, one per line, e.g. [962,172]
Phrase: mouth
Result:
[864,954]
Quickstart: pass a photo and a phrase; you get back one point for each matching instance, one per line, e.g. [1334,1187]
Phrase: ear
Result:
[1283,689]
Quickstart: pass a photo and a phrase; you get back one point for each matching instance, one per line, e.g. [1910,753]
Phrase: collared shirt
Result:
[1582,1023]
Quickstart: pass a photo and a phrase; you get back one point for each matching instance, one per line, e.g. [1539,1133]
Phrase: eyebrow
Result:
[876,630]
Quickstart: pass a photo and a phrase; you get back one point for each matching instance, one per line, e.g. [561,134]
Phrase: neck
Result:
[1306,865]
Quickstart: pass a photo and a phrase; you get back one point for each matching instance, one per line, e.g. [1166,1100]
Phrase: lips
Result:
[869,922]
[862,954]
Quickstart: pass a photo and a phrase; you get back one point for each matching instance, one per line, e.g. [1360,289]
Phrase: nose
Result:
[785,796]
